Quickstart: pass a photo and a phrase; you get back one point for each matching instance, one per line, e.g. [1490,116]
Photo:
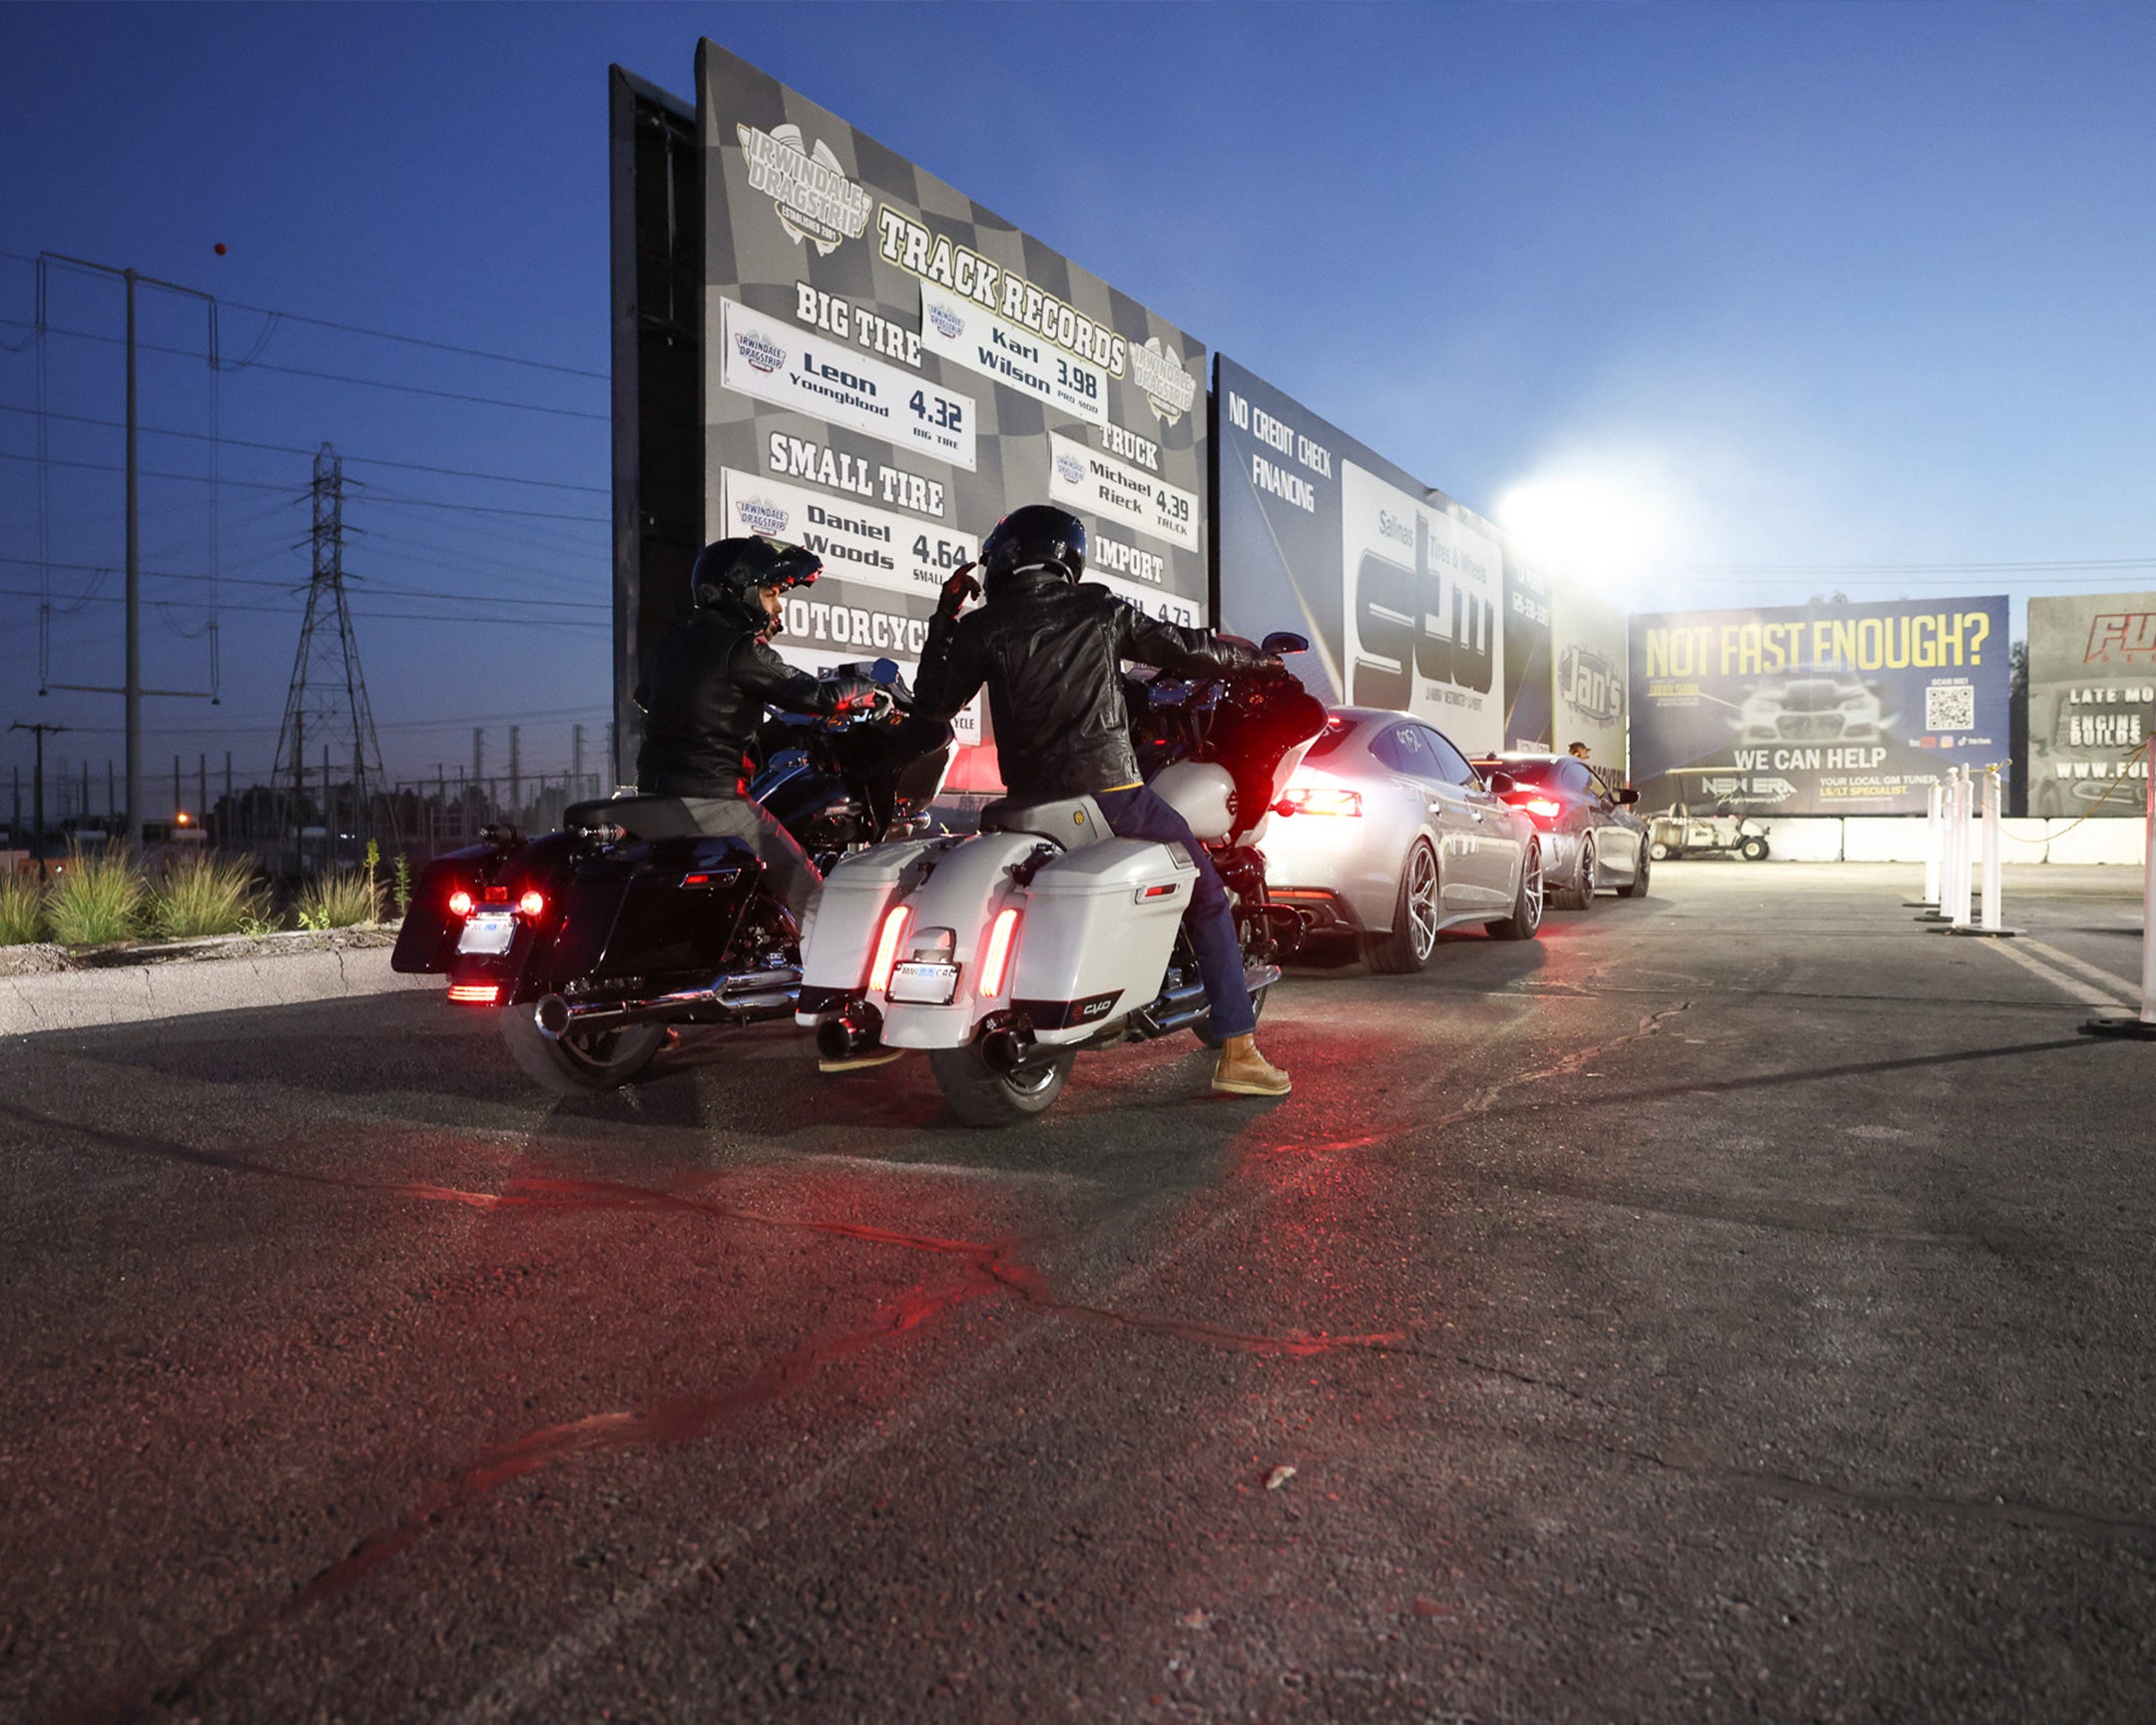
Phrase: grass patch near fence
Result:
[96,896]
[204,894]
[338,899]
[22,909]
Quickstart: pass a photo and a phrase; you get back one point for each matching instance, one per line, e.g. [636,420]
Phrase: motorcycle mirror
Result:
[1282,641]
[883,671]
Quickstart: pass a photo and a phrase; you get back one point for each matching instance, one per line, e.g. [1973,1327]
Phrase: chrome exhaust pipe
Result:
[752,994]
[844,1036]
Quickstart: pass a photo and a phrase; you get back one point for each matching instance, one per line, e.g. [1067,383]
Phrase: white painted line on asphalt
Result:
[2093,987]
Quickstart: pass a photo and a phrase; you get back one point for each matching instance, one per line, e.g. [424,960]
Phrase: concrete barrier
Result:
[1900,839]
[264,974]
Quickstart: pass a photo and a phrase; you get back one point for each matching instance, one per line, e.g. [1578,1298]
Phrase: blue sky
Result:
[1816,297]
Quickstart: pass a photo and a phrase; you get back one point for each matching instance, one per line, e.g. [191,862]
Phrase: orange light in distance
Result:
[1000,935]
[886,949]
[461,902]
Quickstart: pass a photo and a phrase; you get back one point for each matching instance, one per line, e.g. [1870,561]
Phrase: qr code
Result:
[1951,707]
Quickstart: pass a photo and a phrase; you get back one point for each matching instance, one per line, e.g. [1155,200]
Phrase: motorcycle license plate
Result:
[920,984]
[487,933]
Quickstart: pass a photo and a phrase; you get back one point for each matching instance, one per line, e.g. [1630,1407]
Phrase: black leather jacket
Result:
[1051,654]
[705,684]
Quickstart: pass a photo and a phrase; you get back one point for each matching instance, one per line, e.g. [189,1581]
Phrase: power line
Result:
[294,449]
[295,584]
[319,376]
[384,616]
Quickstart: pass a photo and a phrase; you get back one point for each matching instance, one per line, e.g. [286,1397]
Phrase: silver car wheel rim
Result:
[1423,900]
[1586,870]
[1533,887]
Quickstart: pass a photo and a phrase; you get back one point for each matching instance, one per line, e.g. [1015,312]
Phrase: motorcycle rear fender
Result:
[969,886]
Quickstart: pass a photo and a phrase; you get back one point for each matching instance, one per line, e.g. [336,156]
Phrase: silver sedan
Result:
[1387,835]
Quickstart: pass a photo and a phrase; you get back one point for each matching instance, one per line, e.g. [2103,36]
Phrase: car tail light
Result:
[461,902]
[886,947]
[475,993]
[1002,932]
[1320,800]
[1543,809]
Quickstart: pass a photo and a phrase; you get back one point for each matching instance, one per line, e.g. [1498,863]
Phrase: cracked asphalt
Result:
[1730,1305]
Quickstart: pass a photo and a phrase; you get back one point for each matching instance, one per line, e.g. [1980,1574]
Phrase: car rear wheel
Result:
[578,1060]
[1414,918]
[1526,915]
[1580,895]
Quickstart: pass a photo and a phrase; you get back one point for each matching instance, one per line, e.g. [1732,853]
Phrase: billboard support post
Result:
[2141,1027]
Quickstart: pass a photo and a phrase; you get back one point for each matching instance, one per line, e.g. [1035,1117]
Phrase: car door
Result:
[1618,844]
[1405,750]
[1489,852]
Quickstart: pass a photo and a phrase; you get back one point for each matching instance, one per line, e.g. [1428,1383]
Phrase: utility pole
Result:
[576,762]
[516,773]
[38,734]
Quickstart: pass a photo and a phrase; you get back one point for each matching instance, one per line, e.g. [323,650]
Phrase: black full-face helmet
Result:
[1036,536]
[729,572]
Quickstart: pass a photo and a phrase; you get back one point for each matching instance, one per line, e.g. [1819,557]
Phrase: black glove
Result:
[956,591]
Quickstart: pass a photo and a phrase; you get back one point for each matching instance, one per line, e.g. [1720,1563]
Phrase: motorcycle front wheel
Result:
[983,1096]
[579,1060]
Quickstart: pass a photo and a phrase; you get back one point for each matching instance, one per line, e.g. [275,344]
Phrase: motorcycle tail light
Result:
[886,949]
[533,904]
[1320,800]
[1002,932]
[475,993]
[461,902]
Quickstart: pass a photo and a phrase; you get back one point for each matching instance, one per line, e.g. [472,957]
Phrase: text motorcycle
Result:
[596,940]
[1007,953]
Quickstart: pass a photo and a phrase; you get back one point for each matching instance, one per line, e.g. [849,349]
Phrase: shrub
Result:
[22,909]
[208,894]
[338,899]
[95,897]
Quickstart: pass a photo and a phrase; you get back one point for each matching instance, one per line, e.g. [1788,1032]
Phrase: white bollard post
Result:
[1993,873]
[1956,884]
[2143,1028]
[1935,837]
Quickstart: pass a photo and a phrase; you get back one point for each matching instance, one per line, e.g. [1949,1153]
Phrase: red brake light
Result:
[886,949]
[997,960]
[1541,808]
[461,902]
[1320,800]
[533,902]
[475,993]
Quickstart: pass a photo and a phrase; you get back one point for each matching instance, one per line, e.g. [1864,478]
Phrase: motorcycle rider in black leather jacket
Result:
[707,682]
[1051,653]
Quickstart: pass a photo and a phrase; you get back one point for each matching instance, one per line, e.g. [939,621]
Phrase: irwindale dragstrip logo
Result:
[762,516]
[1160,373]
[816,201]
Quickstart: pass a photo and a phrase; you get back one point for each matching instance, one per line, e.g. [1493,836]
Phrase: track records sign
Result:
[891,368]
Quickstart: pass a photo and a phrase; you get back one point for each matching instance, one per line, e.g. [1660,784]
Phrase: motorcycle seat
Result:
[639,816]
[1069,821]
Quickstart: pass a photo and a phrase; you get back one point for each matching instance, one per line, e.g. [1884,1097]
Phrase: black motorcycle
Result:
[596,942]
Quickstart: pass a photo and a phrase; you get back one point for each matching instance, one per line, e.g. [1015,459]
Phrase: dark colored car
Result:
[1592,840]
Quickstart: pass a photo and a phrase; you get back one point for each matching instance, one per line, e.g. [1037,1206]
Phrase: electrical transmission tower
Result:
[327,708]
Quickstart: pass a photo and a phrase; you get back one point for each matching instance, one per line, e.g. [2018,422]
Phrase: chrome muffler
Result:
[752,994]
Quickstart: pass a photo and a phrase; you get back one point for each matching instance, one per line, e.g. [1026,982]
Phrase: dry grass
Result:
[205,893]
[96,896]
[22,909]
[340,899]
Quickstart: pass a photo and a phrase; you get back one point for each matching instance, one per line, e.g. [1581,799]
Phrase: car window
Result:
[1446,761]
[1401,749]
[1337,732]
[1523,772]
[1578,777]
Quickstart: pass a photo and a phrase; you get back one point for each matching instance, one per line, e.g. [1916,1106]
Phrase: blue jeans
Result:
[1139,813]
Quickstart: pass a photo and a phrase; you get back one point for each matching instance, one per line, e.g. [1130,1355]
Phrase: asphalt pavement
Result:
[1731,1305]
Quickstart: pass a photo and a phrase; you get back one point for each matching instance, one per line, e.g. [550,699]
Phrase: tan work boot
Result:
[1242,1071]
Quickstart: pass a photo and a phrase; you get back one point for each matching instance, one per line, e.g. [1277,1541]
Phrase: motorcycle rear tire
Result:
[579,1061]
[981,1096]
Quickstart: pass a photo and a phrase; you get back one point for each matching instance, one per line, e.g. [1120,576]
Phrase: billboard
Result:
[1402,592]
[889,368]
[1587,650]
[2092,698]
[1840,709]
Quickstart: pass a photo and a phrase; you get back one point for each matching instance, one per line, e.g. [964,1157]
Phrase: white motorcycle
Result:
[1008,953]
